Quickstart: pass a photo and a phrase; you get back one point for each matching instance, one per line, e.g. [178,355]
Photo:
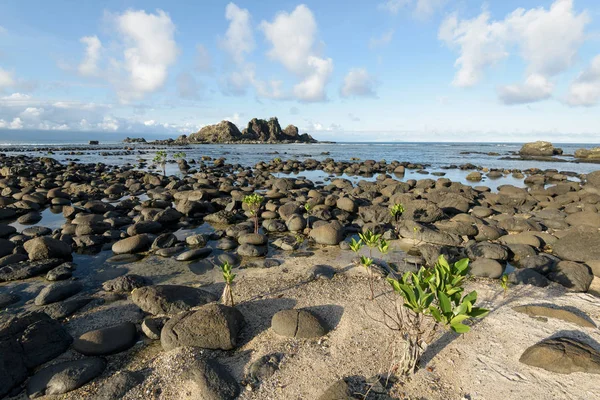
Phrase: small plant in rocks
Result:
[308,207]
[372,241]
[160,158]
[254,202]
[397,210]
[427,300]
[179,156]
[504,284]
[228,277]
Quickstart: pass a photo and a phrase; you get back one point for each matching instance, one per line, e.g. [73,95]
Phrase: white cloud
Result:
[239,38]
[6,78]
[535,88]
[480,44]
[32,113]
[585,89]
[203,59]
[382,40]
[17,96]
[547,40]
[319,127]
[89,65]
[420,8]
[358,83]
[16,124]
[292,37]
[150,51]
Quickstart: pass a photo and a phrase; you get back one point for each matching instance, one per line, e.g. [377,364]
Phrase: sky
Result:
[381,70]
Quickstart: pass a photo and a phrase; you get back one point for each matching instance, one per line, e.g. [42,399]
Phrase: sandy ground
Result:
[482,364]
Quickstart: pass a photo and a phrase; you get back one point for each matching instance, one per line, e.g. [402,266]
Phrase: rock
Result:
[64,377]
[593,153]
[124,258]
[111,340]
[6,299]
[527,276]
[226,244]
[589,218]
[13,370]
[580,245]
[486,268]
[487,250]
[542,263]
[6,231]
[539,149]
[574,276]
[474,176]
[552,312]
[6,247]
[347,204]
[27,269]
[57,291]
[340,390]
[170,299]
[126,283]
[422,211]
[562,355]
[253,238]
[295,223]
[164,241]
[300,324]
[118,385]
[250,250]
[60,273]
[153,326]
[328,234]
[212,326]
[196,240]
[521,238]
[65,308]
[194,254]
[134,244]
[263,368]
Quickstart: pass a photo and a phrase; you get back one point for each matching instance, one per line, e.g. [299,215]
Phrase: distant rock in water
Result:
[592,154]
[257,131]
[94,142]
[134,140]
[539,149]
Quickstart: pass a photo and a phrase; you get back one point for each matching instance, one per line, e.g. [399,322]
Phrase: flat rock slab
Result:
[27,269]
[65,308]
[64,377]
[6,299]
[194,254]
[563,355]
[57,292]
[170,299]
[300,324]
[558,313]
[212,326]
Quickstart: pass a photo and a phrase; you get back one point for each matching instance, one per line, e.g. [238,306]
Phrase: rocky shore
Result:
[122,300]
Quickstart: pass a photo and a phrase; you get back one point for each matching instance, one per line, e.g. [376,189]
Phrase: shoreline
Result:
[119,222]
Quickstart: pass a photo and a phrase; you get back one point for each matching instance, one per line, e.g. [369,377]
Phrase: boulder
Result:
[212,326]
[64,377]
[57,291]
[563,355]
[301,324]
[487,250]
[125,283]
[527,276]
[194,254]
[486,268]
[170,299]
[45,247]
[329,234]
[134,244]
[539,149]
[110,340]
[581,244]
[574,276]
[27,269]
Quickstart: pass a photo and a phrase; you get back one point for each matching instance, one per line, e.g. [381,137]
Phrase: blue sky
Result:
[384,70]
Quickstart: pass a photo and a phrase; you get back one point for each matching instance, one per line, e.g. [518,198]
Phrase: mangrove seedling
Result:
[160,158]
[308,207]
[504,283]
[228,277]
[427,300]
[181,155]
[253,201]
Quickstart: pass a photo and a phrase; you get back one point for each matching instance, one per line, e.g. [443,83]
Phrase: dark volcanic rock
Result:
[213,326]
[126,283]
[113,339]
[170,299]
[298,324]
[64,377]
[57,291]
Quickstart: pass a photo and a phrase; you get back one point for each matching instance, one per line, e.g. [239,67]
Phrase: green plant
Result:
[504,283]
[426,300]
[253,201]
[228,276]
[160,158]
[397,210]
[372,241]
[180,155]
[277,160]
[299,239]
[308,207]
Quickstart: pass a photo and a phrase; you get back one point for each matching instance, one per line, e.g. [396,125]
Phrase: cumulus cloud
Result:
[319,127]
[547,39]
[383,40]
[585,89]
[89,65]
[535,88]
[6,78]
[292,37]
[239,38]
[420,8]
[358,83]
[150,51]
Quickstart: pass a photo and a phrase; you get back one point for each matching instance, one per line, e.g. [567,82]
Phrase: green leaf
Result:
[444,303]
[395,284]
[460,328]
[458,319]
[477,312]
[409,294]
[435,313]
[471,297]
[461,265]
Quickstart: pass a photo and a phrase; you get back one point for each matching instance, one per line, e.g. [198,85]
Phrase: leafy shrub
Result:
[254,202]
